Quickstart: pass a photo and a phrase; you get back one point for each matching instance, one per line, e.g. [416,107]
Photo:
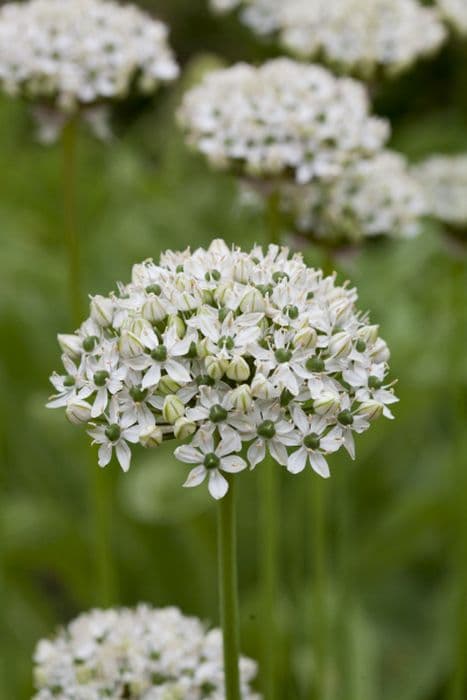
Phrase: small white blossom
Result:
[372,197]
[356,36]
[282,119]
[297,360]
[455,12]
[140,654]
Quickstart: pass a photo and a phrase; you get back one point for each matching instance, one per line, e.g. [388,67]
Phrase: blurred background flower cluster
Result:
[397,542]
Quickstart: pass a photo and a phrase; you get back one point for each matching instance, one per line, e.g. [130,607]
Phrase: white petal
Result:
[105,454]
[218,485]
[123,455]
[278,451]
[256,452]
[196,477]
[300,419]
[319,465]
[297,461]
[177,372]
[152,377]
[100,403]
[230,442]
[204,440]
[349,443]
[188,454]
[233,464]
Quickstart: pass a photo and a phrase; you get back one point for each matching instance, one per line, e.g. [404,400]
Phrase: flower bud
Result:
[306,338]
[241,270]
[326,403]
[78,411]
[215,368]
[371,410]
[261,388]
[202,348]
[241,398]
[102,310]
[219,247]
[238,370]
[173,408]
[183,428]
[222,294]
[151,436]
[380,351]
[71,345]
[177,322]
[167,386]
[129,345]
[368,333]
[340,344]
[252,301]
[154,310]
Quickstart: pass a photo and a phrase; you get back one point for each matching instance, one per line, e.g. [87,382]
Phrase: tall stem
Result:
[269,572]
[106,584]
[318,587]
[69,138]
[228,591]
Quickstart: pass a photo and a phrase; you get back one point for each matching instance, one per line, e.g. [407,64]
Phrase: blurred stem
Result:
[458,687]
[273,218]
[318,587]
[269,571]
[69,138]
[106,580]
[344,646]
[228,590]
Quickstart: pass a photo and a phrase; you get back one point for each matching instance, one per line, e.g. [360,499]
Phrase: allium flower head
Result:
[281,119]
[140,654]
[70,53]
[357,36]
[234,353]
[444,180]
[372,197]
[455,12]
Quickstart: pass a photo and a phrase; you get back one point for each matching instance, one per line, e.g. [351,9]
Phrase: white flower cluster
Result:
[372,197]
[357,36]
[140,654]
[281,119]
[69,53]
[227,348]
[444,180]
[455,12]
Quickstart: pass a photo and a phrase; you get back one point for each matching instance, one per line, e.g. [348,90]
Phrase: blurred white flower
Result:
[283,119]
[444,181]
[306,363]
[356,36]
[139,654]
[70,54]
[455,12]
[372,197]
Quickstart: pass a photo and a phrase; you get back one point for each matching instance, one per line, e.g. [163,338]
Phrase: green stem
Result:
[228,591]
[273,217]
[69,138]
[106,584]
[269,572]
[319,603]
[344,646]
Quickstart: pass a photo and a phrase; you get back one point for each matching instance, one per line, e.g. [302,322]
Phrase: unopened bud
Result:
[306,338]
[261,388]
[371,410]
[241,398]
[340,344]
[102,310]
[167,386]
[326,403]
[177,323]
[238,370]
[380,351]
[252,301]
[154,310]
[173,408]
[215,368]
[129,345]
[78,411]
[183,428]
[368,333]
[151,436]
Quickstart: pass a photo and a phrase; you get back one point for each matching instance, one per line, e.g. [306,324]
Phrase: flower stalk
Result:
[69,139]
[228,590]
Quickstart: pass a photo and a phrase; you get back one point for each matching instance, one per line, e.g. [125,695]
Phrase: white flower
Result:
[75,53]
[282,119]
[211,461]
[155,654]
[357,36]
[372,197]
[297,359]
[444,181]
